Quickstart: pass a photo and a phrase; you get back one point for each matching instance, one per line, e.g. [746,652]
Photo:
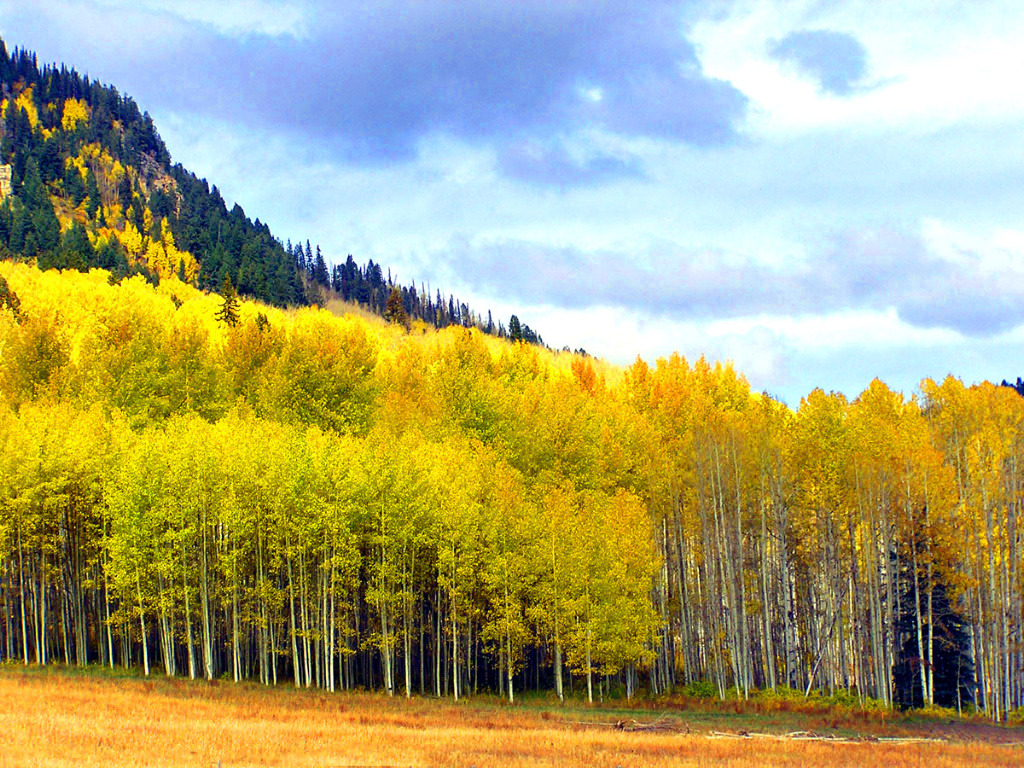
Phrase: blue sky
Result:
[821,192]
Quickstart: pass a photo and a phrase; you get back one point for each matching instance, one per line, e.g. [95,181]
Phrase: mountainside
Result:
[86,181]
[92,186]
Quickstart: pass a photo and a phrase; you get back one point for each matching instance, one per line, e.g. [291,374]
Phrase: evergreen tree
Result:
[228,312]
[75,249]
[320,274]
[92,191]
[74,187]
[8,298]
[1017,387]
[515,330]
[394,310]
[952,666]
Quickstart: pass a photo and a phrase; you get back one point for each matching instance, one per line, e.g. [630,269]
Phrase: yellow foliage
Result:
[133,241]
[163,257]
[75,111]
[26,102]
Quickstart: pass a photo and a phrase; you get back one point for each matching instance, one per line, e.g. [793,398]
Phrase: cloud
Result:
[929,286]
[836,60]
[371,80]
[235,18]
[553,164]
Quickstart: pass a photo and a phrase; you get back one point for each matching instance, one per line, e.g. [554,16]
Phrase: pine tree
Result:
[8,298]
[320,274]
[394,310]
[228,312]
[93,193]
[952,665]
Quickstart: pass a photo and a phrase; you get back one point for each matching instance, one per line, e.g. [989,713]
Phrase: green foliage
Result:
[700,689]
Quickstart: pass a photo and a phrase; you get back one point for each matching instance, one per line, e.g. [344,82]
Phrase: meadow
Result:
[63,718]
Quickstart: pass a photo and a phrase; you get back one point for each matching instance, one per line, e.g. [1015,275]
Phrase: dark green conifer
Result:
[228,312]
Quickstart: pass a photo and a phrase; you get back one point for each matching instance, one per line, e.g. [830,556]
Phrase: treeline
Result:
[331,502]
[368,287]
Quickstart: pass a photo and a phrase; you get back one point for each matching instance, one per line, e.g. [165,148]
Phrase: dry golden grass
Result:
[74,720]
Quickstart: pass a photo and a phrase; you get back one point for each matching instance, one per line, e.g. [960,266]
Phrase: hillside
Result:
[339,502]
[86,181]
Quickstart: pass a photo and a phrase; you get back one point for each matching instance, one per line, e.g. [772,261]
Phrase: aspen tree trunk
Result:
[685,623]
[236,647]
[8,609]
[724,560]
[332,625]
[767,652]
[205,587]
[273,650]
[126,649]
[165,632]
[857,607]
[890,624]
[1005,604]
[559,690]
[407,620]
[744,631]
[501,670]
[296,669]
[590,671]
[995,676]
[304,609]
[931,591]
[508,634]
[261,630]
[106,602]
[385,646]
[97,609]
[64,619]
[323,653]
[21,597]
[42,609]
[422,645]
[382,587]
[188,616]
[455,627]
[142,624]
[437,644]
[920,630]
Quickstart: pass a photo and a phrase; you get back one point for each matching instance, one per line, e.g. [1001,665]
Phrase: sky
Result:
[821,192]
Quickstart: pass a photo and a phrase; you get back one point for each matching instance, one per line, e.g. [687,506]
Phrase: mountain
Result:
[86,181]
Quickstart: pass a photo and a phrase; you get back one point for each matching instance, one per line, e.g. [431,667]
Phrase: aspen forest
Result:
[303,499]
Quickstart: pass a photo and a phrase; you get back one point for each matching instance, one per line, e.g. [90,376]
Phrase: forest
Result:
[217,489]
[92,185]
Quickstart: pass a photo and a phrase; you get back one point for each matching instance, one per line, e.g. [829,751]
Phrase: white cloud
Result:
[931,65]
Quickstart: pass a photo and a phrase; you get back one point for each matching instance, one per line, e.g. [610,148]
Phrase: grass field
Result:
[67,718]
